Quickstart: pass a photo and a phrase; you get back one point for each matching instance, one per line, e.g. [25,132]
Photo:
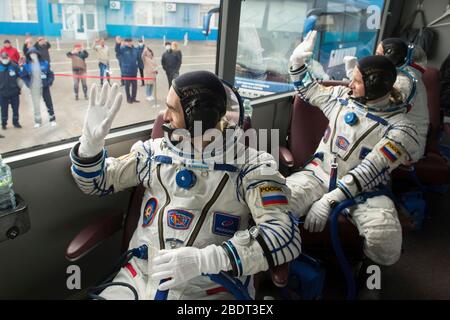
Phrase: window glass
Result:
[83,22]
[16,11]
[270,30]
[90,21]
[31,9]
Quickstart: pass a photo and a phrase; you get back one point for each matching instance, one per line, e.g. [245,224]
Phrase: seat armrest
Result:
[286,157]
[93,234]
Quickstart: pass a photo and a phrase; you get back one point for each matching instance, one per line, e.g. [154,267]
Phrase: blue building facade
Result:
[87,19]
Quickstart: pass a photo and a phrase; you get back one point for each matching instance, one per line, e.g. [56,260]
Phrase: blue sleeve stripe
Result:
[257,183]
[269,241]
[409,134]
[237,259]
[341,186]
[406,127]
[86,175]
[369,170]
[277,237]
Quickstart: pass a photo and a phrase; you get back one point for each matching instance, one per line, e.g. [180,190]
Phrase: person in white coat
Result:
[367,137]
[203,211]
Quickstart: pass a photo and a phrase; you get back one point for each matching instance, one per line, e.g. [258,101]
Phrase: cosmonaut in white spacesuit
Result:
[367,137]
[199,206]
[410,62]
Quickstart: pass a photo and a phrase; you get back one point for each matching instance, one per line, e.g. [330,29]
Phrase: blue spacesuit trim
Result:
[287,236]
[377,119]
[163,159]
[87,175]
[257,183]
[236,257]
[345,190]
[266,236]
[277,236]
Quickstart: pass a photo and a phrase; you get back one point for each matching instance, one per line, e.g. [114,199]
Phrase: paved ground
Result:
[70,113]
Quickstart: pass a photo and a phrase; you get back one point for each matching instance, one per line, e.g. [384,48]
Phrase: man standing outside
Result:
[43,46]
[119,43]
[78,56]
[12,52]
[129,61]
[170,62]
[9,90]
[103,59]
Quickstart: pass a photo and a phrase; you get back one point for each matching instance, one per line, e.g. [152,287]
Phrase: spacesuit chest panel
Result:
[352,130]
[207,212]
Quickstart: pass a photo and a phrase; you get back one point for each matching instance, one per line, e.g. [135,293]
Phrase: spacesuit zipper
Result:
[206,209]
[161,212]
[334,130]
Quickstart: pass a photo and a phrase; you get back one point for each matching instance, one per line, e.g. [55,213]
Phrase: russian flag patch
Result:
[272,196]
[391,151]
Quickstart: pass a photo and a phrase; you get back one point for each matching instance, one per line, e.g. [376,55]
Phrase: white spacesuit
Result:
[409,83]
[361,146]
[192,204]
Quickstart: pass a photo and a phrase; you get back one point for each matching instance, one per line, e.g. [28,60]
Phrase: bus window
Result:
[68,27]
[270,30]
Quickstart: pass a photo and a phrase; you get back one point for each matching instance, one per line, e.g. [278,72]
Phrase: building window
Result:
[78,22]
[23,10]
[150,13]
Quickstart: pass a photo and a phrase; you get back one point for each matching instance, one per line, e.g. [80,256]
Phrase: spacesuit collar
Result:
[217,151]
[380,105]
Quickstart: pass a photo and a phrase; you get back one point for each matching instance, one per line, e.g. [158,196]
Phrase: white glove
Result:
[99,117]
[350,64]
[304,50]
[317,217]
[184,264]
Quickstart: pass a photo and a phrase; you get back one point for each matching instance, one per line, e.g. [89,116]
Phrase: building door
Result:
[81,20]
[80,31]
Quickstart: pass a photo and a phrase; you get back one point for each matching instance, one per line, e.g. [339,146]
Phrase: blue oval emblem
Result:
[149,212]
[342,143]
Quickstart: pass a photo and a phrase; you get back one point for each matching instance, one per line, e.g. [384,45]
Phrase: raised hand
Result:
[99,117]
[304,50]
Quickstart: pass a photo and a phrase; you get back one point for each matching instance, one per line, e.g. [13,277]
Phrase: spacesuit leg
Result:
[131,275]
[378,223]
[305,190]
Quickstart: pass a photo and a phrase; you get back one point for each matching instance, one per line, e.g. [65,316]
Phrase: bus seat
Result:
[433,169]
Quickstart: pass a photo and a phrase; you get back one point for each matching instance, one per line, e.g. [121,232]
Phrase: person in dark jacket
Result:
[78,56]
[140,49]
[119,43]
[27,44]
[43,46]
[170,62]
[129,60]
[38,76]
[9,90]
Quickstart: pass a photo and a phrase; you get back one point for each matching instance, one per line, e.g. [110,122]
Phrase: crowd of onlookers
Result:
[17,70]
